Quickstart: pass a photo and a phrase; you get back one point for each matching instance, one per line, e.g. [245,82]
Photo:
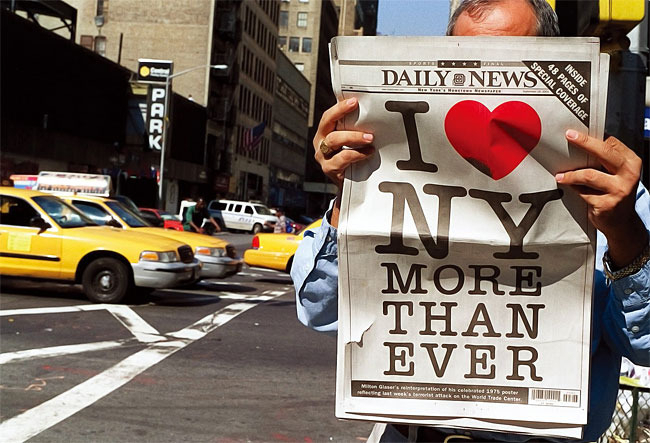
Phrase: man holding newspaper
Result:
[618,207]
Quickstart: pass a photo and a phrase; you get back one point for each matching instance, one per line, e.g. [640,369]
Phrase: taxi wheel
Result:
[106,280]
[257,228]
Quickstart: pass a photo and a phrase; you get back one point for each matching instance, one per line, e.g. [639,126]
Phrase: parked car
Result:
[43,237]
[160,218]
[246,216]
[276,251]
[293,226]
[218,257]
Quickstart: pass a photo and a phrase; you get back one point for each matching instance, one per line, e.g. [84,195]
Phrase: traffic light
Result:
[608,19]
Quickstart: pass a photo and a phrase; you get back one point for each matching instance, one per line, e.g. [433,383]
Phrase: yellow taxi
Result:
[276,251]
[218,257]
[43,237]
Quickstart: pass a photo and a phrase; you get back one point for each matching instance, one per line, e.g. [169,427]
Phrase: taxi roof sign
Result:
[24,181]
[74,183]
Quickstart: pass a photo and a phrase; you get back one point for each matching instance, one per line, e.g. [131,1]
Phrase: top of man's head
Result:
[504,17]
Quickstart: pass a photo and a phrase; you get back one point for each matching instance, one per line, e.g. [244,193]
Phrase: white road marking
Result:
[140,329]
[211,322]
[36,420]
[267,271]
[276,293]
[234,295]
[271,271]
[55,351]
[248,297]
[53,310]
[221,283]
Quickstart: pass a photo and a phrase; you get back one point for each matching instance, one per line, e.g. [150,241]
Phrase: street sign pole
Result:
[167,122]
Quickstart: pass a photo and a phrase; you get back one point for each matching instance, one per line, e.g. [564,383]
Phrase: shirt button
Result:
[628,291]
[635,329]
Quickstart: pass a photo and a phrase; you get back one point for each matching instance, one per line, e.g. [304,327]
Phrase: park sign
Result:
[154,71]
[465,271]
[156,112]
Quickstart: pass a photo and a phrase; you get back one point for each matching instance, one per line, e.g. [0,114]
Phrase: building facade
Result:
[61,120]
[305,30]
[357,17]
[289,138]
[238,34]
[251,135]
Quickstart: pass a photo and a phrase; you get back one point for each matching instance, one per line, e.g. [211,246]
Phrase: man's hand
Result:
[610,194]
[337,161]
[217,228]
[196,228]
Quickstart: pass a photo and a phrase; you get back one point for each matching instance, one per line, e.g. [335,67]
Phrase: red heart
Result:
[493,142]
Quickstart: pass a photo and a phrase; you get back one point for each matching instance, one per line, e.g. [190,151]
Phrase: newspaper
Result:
[465,272]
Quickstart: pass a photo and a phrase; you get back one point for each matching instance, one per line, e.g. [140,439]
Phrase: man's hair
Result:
[547,23]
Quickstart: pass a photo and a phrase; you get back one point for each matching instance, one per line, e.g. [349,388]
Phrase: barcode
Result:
[570,398]
[545,394]
[554,397]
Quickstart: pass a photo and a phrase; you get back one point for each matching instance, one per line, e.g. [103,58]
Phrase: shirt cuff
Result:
[633,290]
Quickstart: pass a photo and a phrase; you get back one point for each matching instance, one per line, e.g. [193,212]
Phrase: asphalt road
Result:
[224,361]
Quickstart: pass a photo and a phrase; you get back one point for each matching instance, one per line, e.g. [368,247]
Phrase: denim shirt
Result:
[621,315]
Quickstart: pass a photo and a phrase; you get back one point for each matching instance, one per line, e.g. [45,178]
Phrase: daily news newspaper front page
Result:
[465,271]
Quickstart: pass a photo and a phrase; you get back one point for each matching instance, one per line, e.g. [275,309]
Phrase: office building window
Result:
[284,19]
[294,44]
[300,67]
[282,41]
[302,20]
[306,44]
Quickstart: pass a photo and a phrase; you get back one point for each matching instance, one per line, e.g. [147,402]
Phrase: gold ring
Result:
[326,150]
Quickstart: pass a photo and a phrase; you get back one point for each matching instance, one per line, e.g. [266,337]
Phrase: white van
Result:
[247,216]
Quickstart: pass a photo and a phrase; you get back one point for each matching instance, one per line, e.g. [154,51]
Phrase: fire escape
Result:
[223,83]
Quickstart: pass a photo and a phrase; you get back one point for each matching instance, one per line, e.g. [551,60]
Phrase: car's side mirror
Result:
[114,223]
[38,222]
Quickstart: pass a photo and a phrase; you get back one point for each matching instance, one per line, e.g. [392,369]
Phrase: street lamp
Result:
[167,122]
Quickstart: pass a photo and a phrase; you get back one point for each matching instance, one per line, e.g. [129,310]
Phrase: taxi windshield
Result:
[63,214]
[129,217]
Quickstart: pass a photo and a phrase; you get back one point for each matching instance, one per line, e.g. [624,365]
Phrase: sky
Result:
[412,17]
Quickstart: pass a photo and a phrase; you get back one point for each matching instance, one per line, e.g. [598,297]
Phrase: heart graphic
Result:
[493,142]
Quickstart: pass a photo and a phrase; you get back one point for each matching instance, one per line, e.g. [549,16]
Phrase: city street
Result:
[223,361]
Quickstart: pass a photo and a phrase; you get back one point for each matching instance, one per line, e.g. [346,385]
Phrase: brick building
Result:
[241,34]
[305,30]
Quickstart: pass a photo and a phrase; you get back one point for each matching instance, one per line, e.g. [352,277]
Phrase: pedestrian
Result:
[619,208]
[194,218]
[281,225]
